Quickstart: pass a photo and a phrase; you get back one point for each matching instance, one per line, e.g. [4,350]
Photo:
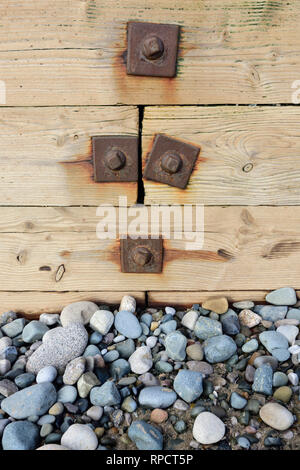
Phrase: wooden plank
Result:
[72,52]
[187,299]
[249,155]
[33,304]
[244,248]
[46,155]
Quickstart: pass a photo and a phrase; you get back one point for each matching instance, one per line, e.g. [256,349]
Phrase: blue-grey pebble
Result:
[280,379]
[219,348]
[10,353]
[180,426]
[67,394]
[34,331]
[91,350]
[119,368]
[250,346]
[282,296]
[147,319]
[163,367]
[294,313]
[281,355]
[168,327]
[230,323]
[263,380]
[95,338]
[126,348]
[24,380]
[274,341]
[237,401]
[157,397]
[14,328]
[6,317]
[243,442]
[273,313]
[21,435]
[145,436]
[207,328]
[145,329]
[188,385]
[127,324]
[106,395]
[111,356]
[175,344]
[46,419]
[34,400]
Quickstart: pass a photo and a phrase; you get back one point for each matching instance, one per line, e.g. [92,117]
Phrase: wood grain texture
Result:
[33,304]
[187,299]
[249,155]
[254,248]
[46,155]
[72,52]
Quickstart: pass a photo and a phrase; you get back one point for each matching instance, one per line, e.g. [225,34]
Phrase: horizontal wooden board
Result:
[249,155]
[187,299]
[33,304]
[244,248]
[46,155]
[73,52]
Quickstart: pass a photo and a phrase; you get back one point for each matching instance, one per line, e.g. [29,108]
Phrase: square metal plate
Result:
[115,158]
[171,161]
[141,255]
[152,49]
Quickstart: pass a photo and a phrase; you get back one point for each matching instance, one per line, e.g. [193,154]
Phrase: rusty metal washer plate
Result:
[141,255]
[171,161]
[152,49]
[115,158]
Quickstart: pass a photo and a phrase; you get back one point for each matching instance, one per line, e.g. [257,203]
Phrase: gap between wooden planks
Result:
[230,51]
[253,247]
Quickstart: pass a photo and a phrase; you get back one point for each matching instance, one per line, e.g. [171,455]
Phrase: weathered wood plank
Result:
[46,155]
[72,52]
[244,248]
[187,299]
[33,304]
[249,155]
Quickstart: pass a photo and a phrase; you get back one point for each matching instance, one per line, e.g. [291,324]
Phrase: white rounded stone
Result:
[95,412]
[49,318]
[151,341]
[276,416]
[141,360]
[128,304]
[46,374]
[78,312]
[208,428]
[79,437]
[293,378]
[289,331]
[189,319]
[102,321]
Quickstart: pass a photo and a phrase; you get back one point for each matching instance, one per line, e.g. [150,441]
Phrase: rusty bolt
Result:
[153,48]
[142,256]
[171,162]
[115,159]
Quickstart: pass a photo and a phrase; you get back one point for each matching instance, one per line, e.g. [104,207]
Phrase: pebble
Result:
[141,360]
[283,394]
[243,305]
[145,436]
[276,344]
[149,380]
[128,325]
[200,366]
[276,416]
[74,370]
[293,313]
[46,374]
[216,304]
[67,394]
[249,318]
[290,332]
[250,346]
[60,346]
[208,428]
[293,378]
[5,342]
[206,328]
[188,385]
[106,395]
[279,379]
[180,405]
[49,319]
[189,319]
[25,380]
[260,360]
[195,352]
[219,348]
[282,296]
[168,326]
[263,380]
[119,368]
[57,409]
[158,416]
[7,387]
[273,314]
[129,405]
[175,344]
[249,373]
[79,437]
[20,435]
[87,381]
[52,447]
[78,312]
[5,366]
[237,401]
[34,331]
[230,323]
[95,413]
[151,341]
[34,400]
[157,397]
[128,304]
[102,321]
